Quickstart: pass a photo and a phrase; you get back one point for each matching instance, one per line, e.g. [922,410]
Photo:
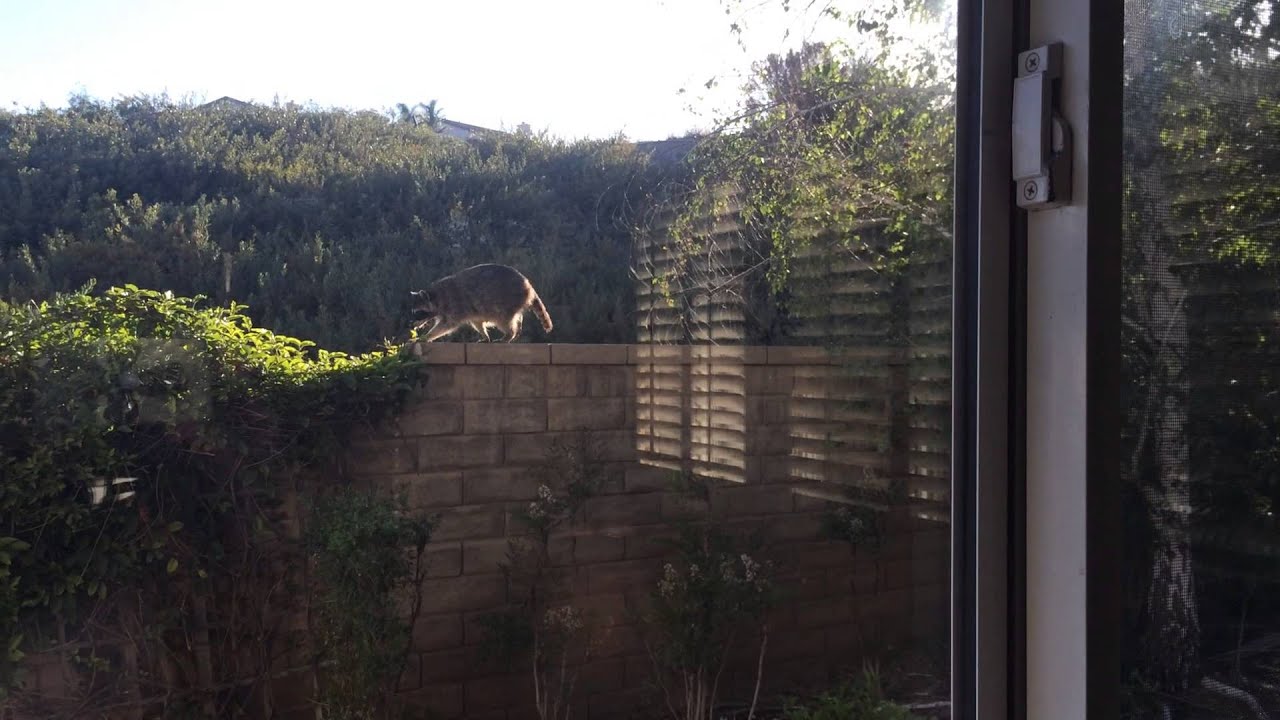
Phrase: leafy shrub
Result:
[714,592]
[144,445]
[861,698]
[369,561]
[539,625]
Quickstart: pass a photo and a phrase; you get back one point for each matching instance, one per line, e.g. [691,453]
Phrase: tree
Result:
[428,114]
[1156,324]
[1201,155]
[834,159]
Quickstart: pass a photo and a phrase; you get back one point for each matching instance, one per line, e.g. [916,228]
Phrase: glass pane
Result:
[707,478]
[1202,358]
[794,327]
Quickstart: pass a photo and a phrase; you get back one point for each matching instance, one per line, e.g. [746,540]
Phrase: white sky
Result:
[573,67]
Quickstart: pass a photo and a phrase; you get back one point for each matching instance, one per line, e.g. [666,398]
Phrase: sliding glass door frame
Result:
[1036,374]
[983,369]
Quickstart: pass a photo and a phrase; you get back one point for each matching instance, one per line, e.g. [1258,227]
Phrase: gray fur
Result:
[483,297]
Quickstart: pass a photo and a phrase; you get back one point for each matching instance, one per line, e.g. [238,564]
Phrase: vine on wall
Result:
[147,446]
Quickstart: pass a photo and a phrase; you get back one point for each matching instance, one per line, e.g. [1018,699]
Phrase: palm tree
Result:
[432,115]
[429,114]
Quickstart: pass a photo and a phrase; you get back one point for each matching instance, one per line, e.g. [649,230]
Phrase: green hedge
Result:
[211,417]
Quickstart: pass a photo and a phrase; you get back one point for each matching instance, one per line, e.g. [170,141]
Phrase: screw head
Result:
[1030,189]
[1032,62]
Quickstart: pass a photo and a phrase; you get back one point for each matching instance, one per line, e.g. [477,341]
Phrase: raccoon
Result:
[482,296]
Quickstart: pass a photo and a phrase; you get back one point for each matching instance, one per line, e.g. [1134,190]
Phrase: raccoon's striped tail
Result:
[541,311]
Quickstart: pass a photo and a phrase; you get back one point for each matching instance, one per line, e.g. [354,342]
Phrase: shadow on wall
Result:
[847,400]
[824,427]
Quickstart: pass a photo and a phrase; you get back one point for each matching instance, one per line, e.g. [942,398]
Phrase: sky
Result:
[574,68]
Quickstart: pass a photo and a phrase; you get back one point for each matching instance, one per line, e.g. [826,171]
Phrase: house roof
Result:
[224,101]
[464,126]
[671,150]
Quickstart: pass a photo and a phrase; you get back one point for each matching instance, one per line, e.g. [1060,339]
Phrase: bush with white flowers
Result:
[712,598]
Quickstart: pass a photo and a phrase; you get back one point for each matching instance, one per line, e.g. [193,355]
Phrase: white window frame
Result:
[1036,605]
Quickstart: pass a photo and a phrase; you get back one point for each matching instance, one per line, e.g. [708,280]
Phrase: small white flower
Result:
[566,619]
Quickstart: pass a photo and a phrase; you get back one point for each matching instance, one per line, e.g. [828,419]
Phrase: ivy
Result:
[145,441]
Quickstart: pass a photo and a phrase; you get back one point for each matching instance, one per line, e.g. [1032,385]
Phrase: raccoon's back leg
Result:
[513,330]
[481,328]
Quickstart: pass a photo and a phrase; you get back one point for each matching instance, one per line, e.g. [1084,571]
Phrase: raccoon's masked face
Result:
[424,305]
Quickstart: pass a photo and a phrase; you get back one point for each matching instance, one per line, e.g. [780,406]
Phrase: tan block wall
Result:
[787,432]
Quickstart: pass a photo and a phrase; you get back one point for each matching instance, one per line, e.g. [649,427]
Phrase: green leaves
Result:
[9,545]
[716,588]
[321,220]
[826,147]
[368,557]
[14,652]
[860,697]
[138,428]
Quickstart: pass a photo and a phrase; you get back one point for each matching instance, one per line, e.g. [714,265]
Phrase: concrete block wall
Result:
[757,420]
[785,434]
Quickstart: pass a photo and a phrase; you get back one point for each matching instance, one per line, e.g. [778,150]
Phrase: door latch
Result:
[1041,136]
